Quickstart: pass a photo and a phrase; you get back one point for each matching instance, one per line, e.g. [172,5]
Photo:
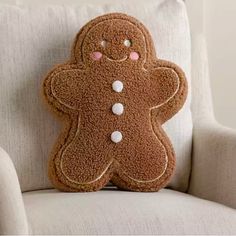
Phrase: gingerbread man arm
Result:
[62,88]
[169,87]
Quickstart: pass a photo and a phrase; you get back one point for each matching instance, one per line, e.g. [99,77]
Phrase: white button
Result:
[118,109]
[116,136]
[117,86]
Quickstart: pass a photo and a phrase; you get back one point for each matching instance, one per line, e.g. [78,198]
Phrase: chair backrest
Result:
[33,39]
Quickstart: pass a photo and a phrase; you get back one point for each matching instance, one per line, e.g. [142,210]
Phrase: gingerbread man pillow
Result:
[113,95]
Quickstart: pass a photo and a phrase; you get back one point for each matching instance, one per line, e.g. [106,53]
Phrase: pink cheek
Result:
[134,56]
[96,56]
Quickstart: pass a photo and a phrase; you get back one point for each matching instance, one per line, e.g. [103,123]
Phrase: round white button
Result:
[116,136]
[117,86]
[118,109]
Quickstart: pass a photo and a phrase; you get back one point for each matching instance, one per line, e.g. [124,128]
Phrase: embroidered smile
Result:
[118,60]
[96,56]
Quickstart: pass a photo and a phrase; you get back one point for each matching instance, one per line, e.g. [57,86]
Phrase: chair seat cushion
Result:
[119,212]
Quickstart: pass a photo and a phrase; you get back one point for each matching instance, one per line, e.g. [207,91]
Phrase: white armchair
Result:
[13,218]
[207,207]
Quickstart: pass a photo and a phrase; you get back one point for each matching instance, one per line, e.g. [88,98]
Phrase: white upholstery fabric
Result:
[33,39]
[214,162]
[115,212]
[213,174]
[201,106]
[12,212]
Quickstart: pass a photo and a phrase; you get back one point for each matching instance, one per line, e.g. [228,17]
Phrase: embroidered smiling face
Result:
[113,42]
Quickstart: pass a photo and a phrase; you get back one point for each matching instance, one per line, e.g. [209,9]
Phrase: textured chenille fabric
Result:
[33,39]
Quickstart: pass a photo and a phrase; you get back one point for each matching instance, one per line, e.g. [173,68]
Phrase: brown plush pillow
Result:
[113,95]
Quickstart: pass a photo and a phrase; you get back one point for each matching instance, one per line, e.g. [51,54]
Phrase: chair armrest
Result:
[214,163]
[13,218]
[213,175]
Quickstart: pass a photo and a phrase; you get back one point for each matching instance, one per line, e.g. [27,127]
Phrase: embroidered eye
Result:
[127,43]
[103,43]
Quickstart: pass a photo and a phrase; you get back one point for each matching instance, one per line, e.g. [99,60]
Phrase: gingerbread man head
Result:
[113,39]
[113,96]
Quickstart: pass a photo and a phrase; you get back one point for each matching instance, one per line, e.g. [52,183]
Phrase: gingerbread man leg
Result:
[71,162]
[148,164]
